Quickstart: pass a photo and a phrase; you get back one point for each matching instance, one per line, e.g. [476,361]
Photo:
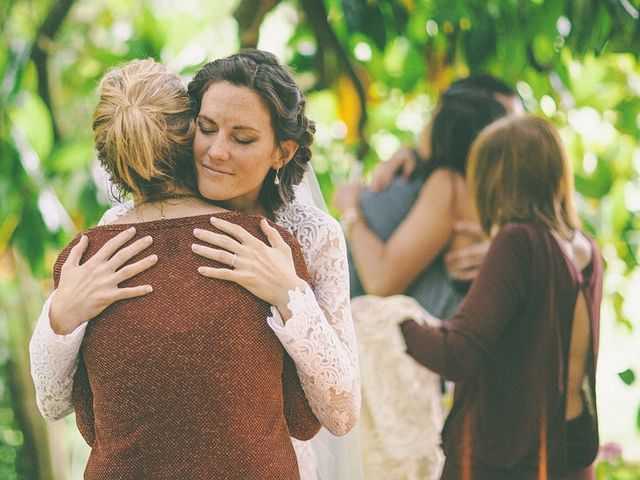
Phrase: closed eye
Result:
[206,130]
[244,141]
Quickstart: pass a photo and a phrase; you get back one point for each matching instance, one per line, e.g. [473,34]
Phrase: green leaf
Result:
[32,117]
[628,377]
[70,156]
[598,184]
[618,303]
[621,214]
[31,236]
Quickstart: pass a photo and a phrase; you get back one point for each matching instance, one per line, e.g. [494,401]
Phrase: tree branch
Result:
[41,49]
[317,16]
[249,16]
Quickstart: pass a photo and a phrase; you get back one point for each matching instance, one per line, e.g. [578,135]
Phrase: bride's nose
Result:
[218,148]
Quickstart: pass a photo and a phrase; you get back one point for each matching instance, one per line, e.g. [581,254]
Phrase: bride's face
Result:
[234,145]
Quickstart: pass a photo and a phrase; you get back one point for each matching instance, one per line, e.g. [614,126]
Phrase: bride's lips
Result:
[214,171]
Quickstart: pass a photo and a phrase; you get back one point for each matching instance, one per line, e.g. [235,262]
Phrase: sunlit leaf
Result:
[621,214]
[70,156]
[32,117]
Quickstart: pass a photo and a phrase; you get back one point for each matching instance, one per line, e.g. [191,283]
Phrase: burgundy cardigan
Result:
[507,350]
[188,381]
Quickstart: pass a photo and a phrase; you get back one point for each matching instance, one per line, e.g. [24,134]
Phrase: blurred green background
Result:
[372,72]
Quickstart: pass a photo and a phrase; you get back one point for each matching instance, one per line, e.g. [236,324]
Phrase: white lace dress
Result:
[319,336]
[402,414]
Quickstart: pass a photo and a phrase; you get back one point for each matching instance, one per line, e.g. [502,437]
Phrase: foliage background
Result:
[372,71]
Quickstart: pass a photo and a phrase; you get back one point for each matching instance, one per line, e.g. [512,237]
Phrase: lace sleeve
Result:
[320,335]
[53,363]
[54,357]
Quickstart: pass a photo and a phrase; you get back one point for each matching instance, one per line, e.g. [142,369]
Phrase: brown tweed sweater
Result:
[188,382]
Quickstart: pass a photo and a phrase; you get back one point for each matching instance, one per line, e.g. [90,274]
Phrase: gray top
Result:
[384,211]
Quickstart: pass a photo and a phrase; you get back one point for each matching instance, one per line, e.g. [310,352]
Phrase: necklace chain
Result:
[177,195]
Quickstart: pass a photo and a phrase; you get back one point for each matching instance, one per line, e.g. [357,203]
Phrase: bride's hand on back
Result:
[267,271]
[86,289]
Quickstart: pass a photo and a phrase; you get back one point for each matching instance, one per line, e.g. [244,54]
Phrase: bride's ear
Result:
[288,149]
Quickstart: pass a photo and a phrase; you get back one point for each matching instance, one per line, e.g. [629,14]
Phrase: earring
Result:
[276,180]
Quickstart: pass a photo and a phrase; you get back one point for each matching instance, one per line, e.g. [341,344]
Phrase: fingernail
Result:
[148,239]
[132,230]
[196,231]
[154,258]
[213,220]
[149,288]
[200,269]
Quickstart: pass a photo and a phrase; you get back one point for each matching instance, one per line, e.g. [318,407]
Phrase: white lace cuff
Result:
[312,343]
[276,322]
[53,364]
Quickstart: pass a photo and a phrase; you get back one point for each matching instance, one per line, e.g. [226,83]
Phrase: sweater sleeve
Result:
[455,350]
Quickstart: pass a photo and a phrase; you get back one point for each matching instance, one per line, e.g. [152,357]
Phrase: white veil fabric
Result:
[336,458]
[308,190]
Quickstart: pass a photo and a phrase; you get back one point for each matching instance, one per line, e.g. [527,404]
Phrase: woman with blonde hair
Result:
[252,146]
[523,346]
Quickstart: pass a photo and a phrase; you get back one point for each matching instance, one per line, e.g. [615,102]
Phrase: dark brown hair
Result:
[261,72]
[519,171]
[458,120]
[143,131]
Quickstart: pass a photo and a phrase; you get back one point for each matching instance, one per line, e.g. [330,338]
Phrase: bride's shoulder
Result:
[311,225]
[115,212]
[298,215]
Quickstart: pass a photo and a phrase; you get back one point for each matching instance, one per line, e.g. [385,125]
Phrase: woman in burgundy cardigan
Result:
[523,346]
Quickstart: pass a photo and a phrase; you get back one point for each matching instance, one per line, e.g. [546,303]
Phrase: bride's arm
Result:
[319,336]
[83,292]
[53,363]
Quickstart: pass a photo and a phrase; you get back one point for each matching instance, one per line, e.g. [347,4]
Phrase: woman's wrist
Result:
[282,304]
[350,216]
[61,322]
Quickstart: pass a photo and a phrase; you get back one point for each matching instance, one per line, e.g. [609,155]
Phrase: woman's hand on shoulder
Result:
[402,162]
[86,289]
[464,263]
[267,271]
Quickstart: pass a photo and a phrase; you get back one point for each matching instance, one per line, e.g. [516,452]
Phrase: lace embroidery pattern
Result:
[401,409]
[320,336]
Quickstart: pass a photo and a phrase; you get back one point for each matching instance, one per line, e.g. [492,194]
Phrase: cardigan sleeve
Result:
[455,350]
